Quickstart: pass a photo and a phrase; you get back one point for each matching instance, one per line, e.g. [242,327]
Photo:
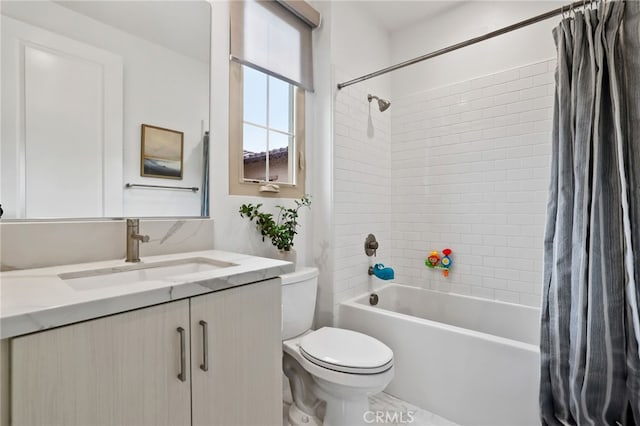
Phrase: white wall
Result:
[361,150]
[470,172]
[320,151]
[359,45]
[466,20]
[471,135]
[362,190]
[232,232]
[152,95]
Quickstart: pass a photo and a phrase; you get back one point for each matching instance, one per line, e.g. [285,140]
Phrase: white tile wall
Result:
[469,171]
[362,182]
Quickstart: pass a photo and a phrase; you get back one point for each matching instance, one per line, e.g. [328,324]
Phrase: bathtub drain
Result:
[373,299]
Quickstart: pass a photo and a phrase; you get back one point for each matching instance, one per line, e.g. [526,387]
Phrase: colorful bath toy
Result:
[446,260]
[433,259]
[435,262]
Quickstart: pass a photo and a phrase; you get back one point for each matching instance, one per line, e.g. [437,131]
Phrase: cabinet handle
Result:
[205,346]
[183,358]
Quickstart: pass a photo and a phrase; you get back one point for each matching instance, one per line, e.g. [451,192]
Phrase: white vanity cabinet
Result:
[147,367]
[117,370]
[243,384]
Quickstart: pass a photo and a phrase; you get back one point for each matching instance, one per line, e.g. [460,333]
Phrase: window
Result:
[266,132]
[270,46]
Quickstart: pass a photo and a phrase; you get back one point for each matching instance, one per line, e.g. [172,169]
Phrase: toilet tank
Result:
[298,301]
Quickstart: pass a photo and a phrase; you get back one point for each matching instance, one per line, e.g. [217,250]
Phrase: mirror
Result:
[79,81]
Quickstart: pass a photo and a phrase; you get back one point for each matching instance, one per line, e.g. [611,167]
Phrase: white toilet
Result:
[331,370]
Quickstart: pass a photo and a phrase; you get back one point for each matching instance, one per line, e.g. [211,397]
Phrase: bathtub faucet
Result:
[381,272]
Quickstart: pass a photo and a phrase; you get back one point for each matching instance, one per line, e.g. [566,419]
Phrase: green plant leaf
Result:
[282,231]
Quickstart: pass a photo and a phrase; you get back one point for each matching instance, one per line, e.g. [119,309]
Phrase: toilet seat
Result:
[366,381]
[346,351]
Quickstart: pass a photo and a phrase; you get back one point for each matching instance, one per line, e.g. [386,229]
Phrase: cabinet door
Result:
[243,382]
[118,370]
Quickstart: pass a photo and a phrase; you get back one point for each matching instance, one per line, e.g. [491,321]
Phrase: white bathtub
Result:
[470,360]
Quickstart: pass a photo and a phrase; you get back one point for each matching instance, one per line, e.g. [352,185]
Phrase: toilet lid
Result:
[346,351]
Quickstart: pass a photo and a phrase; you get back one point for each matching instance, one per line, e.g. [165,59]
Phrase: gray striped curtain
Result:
[590,339]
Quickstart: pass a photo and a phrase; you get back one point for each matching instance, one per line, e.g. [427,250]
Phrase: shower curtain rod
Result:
[471,41]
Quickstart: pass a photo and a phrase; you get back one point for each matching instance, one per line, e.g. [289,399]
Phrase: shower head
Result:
[383,104]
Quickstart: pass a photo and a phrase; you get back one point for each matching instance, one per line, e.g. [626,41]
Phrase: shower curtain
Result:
[590,334]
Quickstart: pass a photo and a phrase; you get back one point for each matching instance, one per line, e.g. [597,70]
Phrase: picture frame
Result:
[161,152]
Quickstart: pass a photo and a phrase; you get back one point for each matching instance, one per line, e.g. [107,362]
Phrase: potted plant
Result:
[282,230]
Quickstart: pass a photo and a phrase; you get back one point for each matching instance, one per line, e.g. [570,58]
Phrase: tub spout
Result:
[381,272]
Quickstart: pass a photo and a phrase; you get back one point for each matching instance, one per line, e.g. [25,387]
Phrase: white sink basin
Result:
[140,272]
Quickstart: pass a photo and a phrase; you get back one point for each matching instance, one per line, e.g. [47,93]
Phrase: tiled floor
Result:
[396,412]
[389,411]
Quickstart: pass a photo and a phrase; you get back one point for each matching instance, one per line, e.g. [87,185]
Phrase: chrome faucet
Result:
[133,240]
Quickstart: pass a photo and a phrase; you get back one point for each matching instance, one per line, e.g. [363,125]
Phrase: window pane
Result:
[254,146]
[255,96]
[279,164]
[280,105]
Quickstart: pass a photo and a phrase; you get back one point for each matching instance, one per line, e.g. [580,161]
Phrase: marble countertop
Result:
[37,299]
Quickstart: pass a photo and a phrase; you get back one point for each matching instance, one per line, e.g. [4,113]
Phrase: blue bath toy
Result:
[381,272]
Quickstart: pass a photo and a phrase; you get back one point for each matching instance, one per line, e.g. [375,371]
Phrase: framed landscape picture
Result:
[161,153]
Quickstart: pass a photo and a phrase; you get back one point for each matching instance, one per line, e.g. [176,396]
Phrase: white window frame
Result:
[238,185]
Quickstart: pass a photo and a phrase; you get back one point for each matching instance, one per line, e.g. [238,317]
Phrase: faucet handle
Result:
[138,237]
[370,245]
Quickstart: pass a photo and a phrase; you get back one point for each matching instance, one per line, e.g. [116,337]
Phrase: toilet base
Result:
[344,406]
[346,413]
[297,417]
